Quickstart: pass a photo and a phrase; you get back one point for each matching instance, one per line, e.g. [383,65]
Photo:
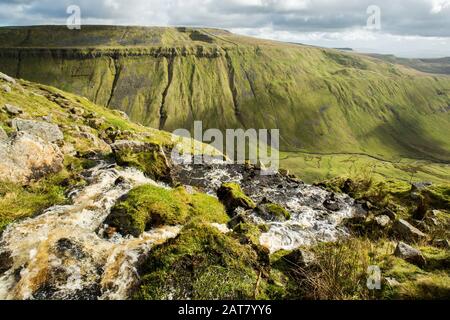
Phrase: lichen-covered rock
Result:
[44,130]
[408,232]
[7,78]
[383,221]
[233,197]
[148,157]
[26,157]
[12,110]
[410,254]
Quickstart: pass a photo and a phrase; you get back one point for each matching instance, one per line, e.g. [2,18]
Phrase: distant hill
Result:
[437,66]
[322,100]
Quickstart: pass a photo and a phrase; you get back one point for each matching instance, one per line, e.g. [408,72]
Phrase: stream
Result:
[63,253]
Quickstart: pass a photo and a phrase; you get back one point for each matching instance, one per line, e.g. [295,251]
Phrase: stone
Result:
[391,214]
[26,157]
[442,243]
[44,130]
[13,110]
[6,261]
[383,221]
[418,186]
[96,123]
[300,258]
[331,203]
[6,88]
[408,232]
[232,196]
[7,78]
[3,135]
[410,254]
[272,212]
[392,282]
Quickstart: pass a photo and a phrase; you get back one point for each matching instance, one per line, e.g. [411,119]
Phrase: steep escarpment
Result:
[323,101]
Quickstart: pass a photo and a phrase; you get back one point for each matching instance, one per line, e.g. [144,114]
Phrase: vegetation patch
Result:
[150,206]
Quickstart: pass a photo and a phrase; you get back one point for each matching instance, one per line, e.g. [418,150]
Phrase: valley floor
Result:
[313,168]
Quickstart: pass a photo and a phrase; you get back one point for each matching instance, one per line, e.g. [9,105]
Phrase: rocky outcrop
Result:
[410,254]
[26,157]
[408,232]
[44,130]
[272,212]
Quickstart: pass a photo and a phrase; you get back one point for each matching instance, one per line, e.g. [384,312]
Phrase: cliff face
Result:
[321,100]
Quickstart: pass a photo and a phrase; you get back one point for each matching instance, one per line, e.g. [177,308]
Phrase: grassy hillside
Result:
[322,100]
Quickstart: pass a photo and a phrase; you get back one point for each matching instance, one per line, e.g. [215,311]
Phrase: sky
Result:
[406,28]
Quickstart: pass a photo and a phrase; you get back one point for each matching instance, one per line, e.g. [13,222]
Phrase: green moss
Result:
[233,197]
[436,258]
[149,206]
[274,211]
[151,162]
[201,263]
[18,202]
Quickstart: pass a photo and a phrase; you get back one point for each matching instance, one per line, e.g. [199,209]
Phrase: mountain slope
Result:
[322,100]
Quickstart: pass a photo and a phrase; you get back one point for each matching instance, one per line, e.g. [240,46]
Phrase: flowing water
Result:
[64,253]
[61,254]
[316,214]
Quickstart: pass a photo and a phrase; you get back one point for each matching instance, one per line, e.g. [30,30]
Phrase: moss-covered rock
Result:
[150,206]
[201,263]
[147,157]
[273,212]
[233,197]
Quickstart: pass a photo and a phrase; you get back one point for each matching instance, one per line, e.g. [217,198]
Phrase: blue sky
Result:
[409,28]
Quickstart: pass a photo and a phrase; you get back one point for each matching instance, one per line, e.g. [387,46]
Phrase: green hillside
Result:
[322,100]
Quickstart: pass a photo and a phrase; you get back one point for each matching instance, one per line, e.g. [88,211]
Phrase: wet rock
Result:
[382,221]
[410,254]
[300,258]
[331,203]
[272,212]
[6,88]
[44,130]
[7,78]
[232,196]
[6,261]
[27,157]
[408,232]
[12,110]
[3,135]
[148,157]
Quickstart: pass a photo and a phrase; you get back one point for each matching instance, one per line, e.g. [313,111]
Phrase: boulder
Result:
[272,212]
[6,88]
[6,261]
[408,232]
[232,196]
[26,157]
[410,254]
[7,78]
[383,221]
[44,130]
[13,110]
[299,258]
[150,158]
[442,243]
